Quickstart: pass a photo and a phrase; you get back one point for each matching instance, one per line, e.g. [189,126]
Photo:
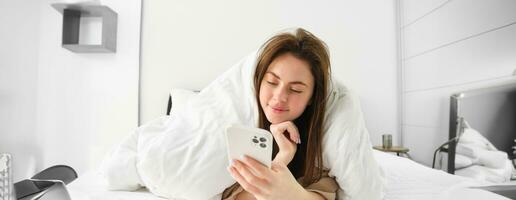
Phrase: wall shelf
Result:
[72,14]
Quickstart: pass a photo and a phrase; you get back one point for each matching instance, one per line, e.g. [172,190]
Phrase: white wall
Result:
[65,107]
[187,44]
[450,46]
[18,83]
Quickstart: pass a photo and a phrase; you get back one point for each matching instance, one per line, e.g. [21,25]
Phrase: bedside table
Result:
[395,149]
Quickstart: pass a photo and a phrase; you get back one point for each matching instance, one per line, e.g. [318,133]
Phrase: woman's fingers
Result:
[294,132]
[243,182]
[280,138]
[278,131]
[245,171]
[257,167]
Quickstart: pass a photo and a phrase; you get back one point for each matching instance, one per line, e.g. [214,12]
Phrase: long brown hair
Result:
[303,45]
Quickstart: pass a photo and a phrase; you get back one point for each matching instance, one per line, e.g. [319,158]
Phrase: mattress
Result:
[405,180]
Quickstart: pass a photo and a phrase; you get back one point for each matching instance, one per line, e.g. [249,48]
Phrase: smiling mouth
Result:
[278,110]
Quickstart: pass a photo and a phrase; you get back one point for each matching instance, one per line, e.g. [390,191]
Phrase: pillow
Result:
[472,137]
[462,161]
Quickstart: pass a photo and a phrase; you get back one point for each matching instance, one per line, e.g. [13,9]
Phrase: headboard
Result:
[491,111]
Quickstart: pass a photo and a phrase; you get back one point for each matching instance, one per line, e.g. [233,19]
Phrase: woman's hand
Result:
[287,143]
[264,183]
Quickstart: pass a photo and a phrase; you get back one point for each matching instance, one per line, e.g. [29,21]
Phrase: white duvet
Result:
[184,156]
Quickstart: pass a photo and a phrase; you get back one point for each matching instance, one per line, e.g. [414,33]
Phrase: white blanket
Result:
[184,156]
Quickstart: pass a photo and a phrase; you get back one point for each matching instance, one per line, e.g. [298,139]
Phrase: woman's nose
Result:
[281,94]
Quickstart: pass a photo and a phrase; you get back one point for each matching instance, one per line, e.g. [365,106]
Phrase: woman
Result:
[291,80]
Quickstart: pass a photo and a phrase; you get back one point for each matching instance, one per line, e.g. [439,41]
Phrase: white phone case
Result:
[253,142]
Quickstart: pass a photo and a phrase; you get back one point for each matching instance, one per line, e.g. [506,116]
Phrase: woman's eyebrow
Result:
[293,82]
[269,72]
[298,82]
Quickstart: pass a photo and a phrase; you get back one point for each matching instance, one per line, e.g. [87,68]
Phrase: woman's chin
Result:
[277,119]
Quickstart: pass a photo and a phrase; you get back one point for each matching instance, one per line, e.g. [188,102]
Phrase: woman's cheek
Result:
[297,109]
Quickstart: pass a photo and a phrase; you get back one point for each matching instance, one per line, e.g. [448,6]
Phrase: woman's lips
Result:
[278,110]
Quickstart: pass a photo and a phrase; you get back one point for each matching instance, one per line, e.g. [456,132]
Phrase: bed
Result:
[405,180]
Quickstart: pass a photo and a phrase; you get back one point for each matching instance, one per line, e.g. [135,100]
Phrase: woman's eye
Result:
[296,91]
[271,83]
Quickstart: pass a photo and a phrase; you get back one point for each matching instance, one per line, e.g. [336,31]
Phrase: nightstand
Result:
[395,149]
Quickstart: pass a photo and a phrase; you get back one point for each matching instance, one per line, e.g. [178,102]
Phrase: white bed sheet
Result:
[90,186]
[405,180]
[408,180]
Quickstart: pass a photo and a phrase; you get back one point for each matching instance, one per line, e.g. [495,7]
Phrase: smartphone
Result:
[250,141]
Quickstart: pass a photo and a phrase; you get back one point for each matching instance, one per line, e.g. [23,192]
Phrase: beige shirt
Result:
[326,187]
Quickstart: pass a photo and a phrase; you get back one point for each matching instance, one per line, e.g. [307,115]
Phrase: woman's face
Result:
[286,88]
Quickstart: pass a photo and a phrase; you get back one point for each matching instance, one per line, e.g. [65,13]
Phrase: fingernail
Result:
[298,140]
[233,163]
